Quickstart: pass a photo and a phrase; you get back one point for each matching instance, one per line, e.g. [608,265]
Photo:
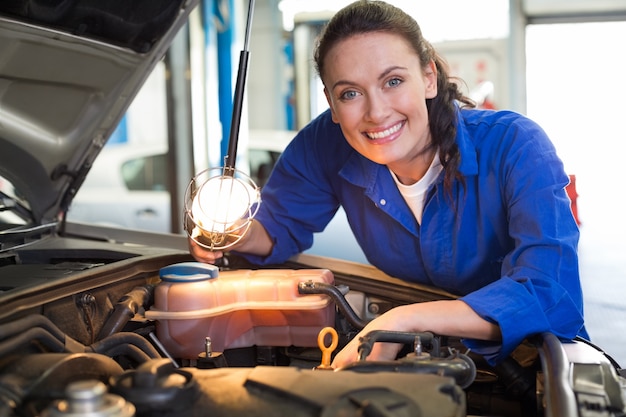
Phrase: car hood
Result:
[68,72]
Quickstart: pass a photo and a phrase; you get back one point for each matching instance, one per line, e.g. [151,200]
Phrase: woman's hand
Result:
[446,318]
[255,240]
[389,321]
[202,254]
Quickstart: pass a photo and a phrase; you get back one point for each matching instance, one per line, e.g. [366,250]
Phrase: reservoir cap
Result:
[188,272]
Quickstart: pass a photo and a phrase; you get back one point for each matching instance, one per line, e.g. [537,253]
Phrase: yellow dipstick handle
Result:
[327,350]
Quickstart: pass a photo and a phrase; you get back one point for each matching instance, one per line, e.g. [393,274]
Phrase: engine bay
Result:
[113,331]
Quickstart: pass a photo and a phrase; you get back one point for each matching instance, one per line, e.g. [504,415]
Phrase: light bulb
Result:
[220,209]
[221,202]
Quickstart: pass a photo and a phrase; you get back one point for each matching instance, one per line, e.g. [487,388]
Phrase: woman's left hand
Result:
[389,321]
[443,317]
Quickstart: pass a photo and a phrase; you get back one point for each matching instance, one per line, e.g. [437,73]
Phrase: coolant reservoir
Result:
[237,308]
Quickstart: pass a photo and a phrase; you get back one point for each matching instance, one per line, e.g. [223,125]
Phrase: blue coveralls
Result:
[505,241]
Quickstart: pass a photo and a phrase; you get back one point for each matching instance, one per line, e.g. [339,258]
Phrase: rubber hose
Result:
[117,339]
[310,287]
[125,309]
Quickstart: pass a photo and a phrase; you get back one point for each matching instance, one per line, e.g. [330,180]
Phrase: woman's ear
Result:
[430,80]
[330,104]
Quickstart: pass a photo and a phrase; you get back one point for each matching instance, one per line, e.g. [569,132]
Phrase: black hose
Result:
[460,367]
[39,329]
[130,351]
[114,341]
[125,309]
[27,337]
[519,382]
[35,320]
[367,342]
[310,287]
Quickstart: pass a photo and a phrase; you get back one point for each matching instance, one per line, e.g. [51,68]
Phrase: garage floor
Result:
[603,274]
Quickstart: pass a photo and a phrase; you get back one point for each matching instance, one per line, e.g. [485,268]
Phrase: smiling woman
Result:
[398,119]
[111,321]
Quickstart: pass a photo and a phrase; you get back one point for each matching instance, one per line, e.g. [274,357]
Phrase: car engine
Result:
[136,331]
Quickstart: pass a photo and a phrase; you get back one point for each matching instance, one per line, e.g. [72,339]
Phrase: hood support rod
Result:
[231,155]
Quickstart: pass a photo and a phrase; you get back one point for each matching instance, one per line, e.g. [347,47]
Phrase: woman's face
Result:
[377,92]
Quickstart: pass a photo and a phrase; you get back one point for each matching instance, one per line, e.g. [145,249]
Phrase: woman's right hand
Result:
[254,240]
[202,254]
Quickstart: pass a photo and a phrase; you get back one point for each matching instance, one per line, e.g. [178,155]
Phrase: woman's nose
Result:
[377,107]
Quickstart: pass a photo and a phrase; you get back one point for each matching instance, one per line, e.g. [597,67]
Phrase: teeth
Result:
[386,132]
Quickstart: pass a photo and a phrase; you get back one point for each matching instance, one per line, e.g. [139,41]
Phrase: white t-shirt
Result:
[415,194]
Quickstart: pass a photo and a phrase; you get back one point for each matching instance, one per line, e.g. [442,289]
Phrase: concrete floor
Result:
[603,271]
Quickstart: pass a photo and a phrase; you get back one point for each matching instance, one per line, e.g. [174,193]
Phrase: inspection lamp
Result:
[221,202]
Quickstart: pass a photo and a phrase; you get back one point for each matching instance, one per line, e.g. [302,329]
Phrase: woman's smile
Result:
[386,134]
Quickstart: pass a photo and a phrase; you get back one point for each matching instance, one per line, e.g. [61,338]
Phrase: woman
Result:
[436,192]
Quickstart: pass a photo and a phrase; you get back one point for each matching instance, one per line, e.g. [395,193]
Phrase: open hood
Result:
[69,69]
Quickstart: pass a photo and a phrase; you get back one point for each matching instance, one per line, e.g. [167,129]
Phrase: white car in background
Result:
[127,187]
[128,183]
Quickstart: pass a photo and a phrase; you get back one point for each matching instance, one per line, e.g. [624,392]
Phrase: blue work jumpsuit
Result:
[504,239]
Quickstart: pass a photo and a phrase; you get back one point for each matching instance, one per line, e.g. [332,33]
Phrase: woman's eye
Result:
[349,95]
[394,82]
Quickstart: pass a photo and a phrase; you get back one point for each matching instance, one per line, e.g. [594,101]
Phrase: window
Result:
[261,164]
[146,174]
